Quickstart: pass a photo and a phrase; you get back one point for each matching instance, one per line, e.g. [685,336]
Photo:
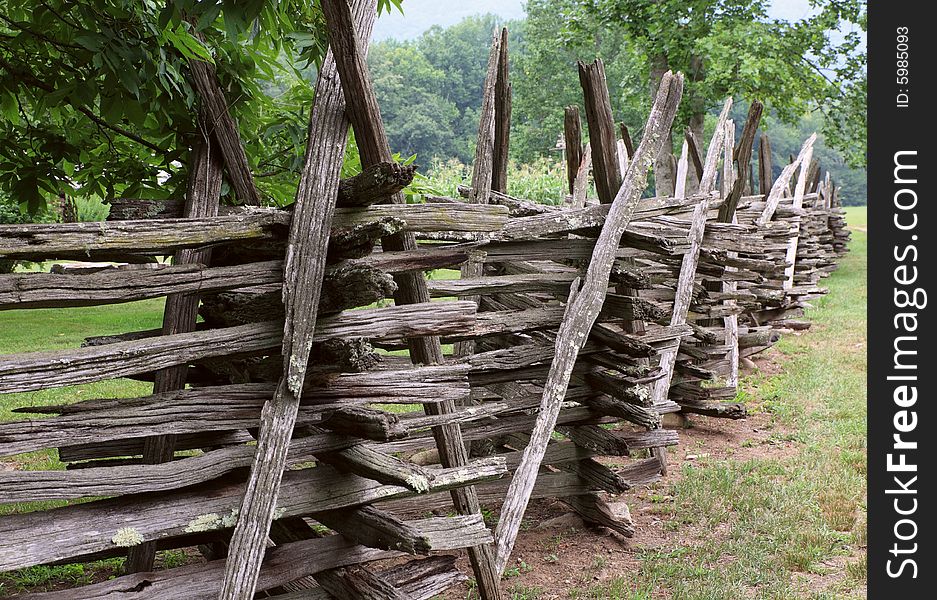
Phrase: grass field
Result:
[790,525]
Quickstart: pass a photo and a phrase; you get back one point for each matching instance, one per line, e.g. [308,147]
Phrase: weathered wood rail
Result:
[279,424]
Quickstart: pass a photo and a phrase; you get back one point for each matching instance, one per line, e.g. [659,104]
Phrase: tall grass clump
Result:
[543,180]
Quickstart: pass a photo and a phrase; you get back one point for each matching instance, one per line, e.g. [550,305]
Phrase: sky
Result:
[420,15]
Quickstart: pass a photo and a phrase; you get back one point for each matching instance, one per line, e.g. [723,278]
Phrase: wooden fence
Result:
[271,440]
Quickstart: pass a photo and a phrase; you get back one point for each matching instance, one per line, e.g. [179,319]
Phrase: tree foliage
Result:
[430,88]
[96,101]
[732,48]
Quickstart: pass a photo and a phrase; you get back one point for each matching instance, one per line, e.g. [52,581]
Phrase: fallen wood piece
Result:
[594,509]
[93,526]
[582,309]
[729,410]
[82,240]
[43,370]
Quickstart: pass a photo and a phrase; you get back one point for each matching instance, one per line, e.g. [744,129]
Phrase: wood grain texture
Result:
[302,288]
[582,309]
[365,116]
[601,129]
[89,527]
[44,370]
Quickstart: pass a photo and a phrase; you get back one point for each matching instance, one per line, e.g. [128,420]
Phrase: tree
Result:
[731,47]
[96,101]
[431,88]
[418,118]
[544,76]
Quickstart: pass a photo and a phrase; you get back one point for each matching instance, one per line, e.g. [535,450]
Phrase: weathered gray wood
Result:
[683,294]
[502,118]
[81,240]
[581,183]
[626,138]
[365,116]
[203,581]
[592,508]
[420,579]
[582,309]
[694,152]
[224,130]
[781,185]
[355,582]
[374,184]
[682,171]
[65,240]
[618,387]
[89,527]
[128,447]
[628,411]
[799,190]
[363,422]
[369,462]
[601,129]
[483,165]
[29,486]
[743,158]
[302,288]
[556,283]
[43,370]
[375,528]
[134,209]
[765,168]
[572,132]
[113,285]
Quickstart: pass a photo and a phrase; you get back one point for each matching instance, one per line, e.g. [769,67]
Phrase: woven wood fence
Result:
[274,439]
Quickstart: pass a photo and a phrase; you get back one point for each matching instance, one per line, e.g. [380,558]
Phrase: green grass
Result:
[857,216]
[791,526]
[58,329]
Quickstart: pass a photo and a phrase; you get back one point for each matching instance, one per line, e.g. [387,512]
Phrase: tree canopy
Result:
[96,101]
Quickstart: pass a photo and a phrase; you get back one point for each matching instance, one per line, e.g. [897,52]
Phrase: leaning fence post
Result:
[365,116]
[302,286]
[683,293]
[582,309]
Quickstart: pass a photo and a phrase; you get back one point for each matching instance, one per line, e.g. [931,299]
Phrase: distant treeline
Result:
[430,91]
